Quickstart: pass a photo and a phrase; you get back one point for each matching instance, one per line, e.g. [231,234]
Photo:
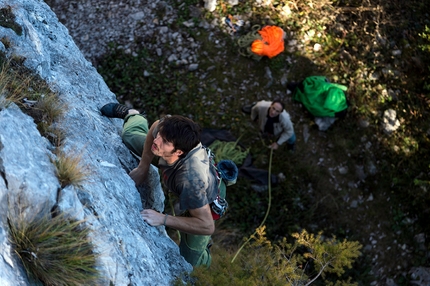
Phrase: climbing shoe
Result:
[115,110]
[292,86]
[291,147]
[247,108]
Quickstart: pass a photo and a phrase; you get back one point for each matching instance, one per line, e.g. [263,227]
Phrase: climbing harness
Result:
[226,170]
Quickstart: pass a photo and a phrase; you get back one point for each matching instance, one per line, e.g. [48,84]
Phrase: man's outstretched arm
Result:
[200,222]
[140,173]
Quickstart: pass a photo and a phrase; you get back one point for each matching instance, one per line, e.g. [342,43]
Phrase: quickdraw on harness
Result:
[219,206]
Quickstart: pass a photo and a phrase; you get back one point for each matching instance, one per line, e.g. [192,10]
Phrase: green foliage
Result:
[425,47]
[183,9]
[265,263]
[54,251]
[332,256]
[426,37]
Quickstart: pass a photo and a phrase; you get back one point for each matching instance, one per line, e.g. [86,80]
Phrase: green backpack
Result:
[322,98]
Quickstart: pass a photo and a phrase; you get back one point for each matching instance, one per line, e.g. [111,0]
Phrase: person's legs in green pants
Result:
[194,248]
[134,132]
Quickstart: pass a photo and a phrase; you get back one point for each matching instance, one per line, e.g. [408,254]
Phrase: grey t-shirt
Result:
[193,179]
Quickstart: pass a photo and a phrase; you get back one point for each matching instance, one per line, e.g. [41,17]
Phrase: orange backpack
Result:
[272,43]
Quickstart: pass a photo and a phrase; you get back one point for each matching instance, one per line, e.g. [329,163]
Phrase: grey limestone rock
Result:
[131,251]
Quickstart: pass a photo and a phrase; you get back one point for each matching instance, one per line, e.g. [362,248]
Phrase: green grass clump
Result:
[54,251]
[70,170]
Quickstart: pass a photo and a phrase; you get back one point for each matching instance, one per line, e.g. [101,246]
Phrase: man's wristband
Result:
[165,218]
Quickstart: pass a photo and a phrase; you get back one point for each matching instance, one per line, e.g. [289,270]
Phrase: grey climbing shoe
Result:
[247,108]
[115,110]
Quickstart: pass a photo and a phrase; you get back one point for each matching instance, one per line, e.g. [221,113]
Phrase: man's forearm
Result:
[200,222]
[140,173]
[190,225]
[147,154]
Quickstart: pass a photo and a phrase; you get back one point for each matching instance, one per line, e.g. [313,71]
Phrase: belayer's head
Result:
[276,108]
[182,132]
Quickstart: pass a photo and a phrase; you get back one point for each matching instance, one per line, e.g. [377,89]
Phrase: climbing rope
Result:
[244,42]
[268,208]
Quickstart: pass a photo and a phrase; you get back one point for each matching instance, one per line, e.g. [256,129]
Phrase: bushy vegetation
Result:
[265,263]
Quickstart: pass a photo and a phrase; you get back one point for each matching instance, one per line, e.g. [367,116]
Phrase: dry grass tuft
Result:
[10,86]
[49,107]
[54,134]
[70,170]
[54,251]
[33,95]
[20,85]
[46,112]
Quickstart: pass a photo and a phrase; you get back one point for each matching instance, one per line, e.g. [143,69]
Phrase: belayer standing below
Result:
[273,121]
[186,170]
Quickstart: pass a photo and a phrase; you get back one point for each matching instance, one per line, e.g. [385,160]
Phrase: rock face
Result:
[131,251]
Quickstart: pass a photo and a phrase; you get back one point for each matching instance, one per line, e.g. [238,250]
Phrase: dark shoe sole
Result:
[247,108]
[291,147]
[292,86]
[115,110]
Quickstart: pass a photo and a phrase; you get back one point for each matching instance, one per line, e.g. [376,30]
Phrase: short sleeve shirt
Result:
[192,178]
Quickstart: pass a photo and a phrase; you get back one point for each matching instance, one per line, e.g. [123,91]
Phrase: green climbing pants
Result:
[134,132]
[194,248]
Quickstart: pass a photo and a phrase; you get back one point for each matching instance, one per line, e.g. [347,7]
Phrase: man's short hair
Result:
[182,132]
[280,102]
